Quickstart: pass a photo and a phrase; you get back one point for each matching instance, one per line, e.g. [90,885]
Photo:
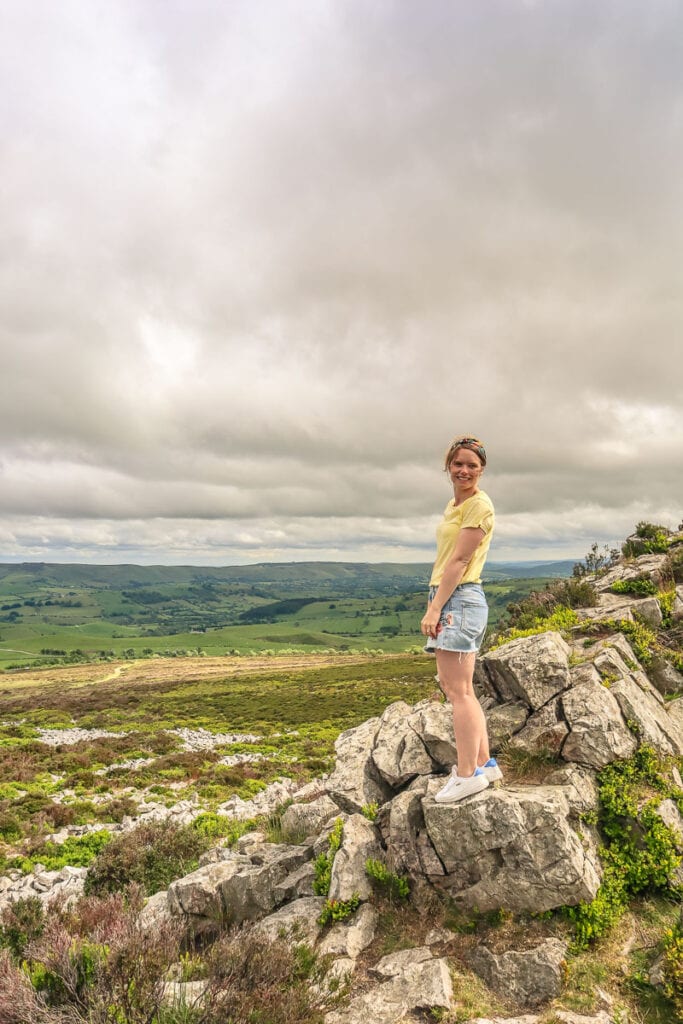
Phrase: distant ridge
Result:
[345,574]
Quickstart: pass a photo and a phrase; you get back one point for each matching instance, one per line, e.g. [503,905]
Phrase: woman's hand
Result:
[430,621]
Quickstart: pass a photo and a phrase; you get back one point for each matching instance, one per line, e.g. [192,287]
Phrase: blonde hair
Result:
[473,444]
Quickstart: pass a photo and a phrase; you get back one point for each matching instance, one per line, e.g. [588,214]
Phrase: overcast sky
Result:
[261,260]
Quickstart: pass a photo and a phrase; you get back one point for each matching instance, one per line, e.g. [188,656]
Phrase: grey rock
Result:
[251,891]
[528,977]
[156,912]
[531,669]
[664,677]
[399,753]
[649,565]
[677,610]
[297,884]
[355,781]
[360,841]
[197,896]
[674,709]
[545,730]
[641,704]
[296,922]
[420,984]
[349,938]
[394,964]
[433,722]
[601,1017]
[301,820]
[513,848]
[406,822]
[598,733]
[184,994]
[504,721]
[580,787]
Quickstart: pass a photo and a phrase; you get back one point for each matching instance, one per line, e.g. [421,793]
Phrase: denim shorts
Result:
[462,625]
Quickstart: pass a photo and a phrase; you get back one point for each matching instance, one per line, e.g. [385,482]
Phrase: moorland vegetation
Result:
[93,961]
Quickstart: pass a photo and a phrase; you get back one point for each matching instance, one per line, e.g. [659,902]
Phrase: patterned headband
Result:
[472,444]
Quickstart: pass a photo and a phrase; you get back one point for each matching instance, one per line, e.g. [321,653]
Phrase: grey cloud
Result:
[283,274]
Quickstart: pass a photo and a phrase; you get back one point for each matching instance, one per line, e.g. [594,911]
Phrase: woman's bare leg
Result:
[456,671]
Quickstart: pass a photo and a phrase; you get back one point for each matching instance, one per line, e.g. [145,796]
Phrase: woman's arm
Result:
[468,541]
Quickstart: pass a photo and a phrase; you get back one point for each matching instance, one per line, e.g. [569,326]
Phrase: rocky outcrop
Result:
[527,977]
[513,848]
[409,981]
[532,670]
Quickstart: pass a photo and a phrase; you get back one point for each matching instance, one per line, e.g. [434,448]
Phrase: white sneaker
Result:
[458,788]
[492,771]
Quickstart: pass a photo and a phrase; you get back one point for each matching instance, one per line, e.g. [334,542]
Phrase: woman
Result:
[455,621]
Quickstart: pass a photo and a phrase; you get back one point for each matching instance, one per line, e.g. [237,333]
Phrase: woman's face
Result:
[465,467]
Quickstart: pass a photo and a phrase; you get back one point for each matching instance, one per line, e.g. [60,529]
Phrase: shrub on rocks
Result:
[152,856]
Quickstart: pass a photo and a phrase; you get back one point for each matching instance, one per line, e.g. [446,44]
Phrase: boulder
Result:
[360,841]
[598,733]
[580,787]
[355,781]
[513,848]
[433,722]
[297,884]
[399,753]
[300,820]
[504,721]
[349,938]
[664,677]
[528,977]
[297,922]
[531,669]
[649,565]
[252,891]
[545,730]
[197,896]
[406,822]
[240,887]
[412,981]
[641,705]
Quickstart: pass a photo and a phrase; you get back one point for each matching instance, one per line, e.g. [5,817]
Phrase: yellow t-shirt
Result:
[476,511]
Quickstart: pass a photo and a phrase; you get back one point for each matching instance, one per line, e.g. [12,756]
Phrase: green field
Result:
[53,614]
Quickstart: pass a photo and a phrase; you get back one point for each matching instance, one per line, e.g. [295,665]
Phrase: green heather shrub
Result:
[641,585]
[21,922]
[391,885]
[339,910]
[559,620]
[673,968]
[92,962]
[540,604]
[151,856]
[252,982]
[370,811]
[323,863]
[650,538]
[77,851]
[666,600]
[639,852]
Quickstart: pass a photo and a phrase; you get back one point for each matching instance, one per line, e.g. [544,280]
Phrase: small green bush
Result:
[639,852]
[673,968]
[21,922]
[641,585]
[370,811]
[323,863]
[650,538]
[152,856]
[339,910]
[392,885]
